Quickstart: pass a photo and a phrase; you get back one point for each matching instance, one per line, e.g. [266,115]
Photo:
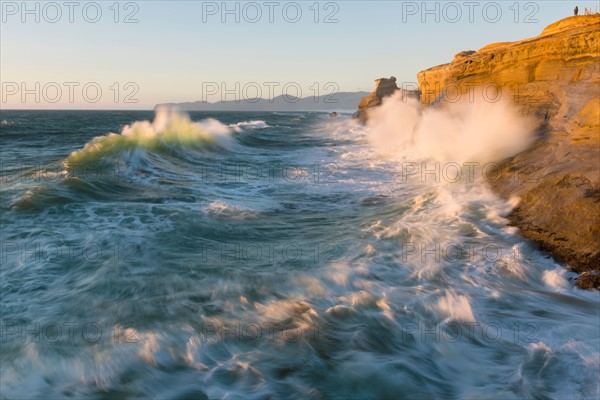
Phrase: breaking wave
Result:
[168,131]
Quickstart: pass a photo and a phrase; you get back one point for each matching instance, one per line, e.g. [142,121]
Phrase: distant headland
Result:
[328,102]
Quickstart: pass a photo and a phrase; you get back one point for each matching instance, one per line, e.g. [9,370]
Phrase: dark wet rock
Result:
[588,280]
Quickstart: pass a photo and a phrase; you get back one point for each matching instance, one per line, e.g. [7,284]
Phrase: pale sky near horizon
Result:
[185,50]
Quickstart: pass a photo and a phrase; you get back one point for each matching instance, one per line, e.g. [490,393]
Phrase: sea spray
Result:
[478,131]
[444,155]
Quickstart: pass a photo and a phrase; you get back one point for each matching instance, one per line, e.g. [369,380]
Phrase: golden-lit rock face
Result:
[551,76]
[556,78]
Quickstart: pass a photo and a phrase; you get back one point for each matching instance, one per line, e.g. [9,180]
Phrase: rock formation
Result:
[383,88]
[556,78]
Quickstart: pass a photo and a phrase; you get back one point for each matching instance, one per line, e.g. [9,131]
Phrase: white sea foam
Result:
[455,307]
[221,209]
[258,124]
[555,278]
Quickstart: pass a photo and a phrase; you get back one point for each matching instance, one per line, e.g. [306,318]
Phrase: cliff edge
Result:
[554,77]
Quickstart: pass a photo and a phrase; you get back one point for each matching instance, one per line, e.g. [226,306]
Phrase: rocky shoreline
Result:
[554,78]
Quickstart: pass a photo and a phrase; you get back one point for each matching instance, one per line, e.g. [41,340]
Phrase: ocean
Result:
[269,255]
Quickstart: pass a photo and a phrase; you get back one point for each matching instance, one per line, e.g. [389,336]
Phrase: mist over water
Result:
[283,255]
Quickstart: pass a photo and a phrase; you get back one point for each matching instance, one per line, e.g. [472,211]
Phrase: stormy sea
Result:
[278,255]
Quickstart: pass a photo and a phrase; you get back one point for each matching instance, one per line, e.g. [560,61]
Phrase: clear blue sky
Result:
[177,46]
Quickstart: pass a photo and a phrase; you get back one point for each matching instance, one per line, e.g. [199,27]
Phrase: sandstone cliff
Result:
[556,78]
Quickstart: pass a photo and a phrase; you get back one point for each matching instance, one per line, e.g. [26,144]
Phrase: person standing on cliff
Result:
[576,10]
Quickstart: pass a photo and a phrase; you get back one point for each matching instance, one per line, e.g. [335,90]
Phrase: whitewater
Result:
[279,255]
